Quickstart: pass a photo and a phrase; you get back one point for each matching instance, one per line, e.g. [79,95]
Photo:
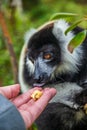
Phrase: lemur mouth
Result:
[38,84]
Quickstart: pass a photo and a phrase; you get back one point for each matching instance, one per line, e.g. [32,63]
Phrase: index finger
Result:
[39,105]
[25,97]
[10,91]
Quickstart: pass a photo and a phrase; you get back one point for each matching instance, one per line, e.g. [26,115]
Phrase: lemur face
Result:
[43,55]
[47,55]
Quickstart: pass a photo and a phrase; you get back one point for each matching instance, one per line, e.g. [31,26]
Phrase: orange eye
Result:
[47,56]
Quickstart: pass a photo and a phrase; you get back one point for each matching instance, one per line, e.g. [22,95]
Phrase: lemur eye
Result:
[47,56]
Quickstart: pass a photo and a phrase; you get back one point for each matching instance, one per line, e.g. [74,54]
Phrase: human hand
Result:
[28,108]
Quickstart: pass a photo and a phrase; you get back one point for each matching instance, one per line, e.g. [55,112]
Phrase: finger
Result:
[25,97]
[10,91]
[26,105]
[29,102]
[48,94]
[32,111]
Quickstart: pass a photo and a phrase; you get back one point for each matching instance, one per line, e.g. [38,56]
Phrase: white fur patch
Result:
[24,86]
[66,93]
[30,66]
[69,60]
[59,29]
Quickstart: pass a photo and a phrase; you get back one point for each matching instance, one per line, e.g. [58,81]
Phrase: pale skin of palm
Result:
[28,108]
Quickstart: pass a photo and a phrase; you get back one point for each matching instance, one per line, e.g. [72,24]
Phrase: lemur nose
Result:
[40,78]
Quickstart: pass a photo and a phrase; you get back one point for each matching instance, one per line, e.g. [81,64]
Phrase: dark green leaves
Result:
[78,39]
[73,26]
[63,16]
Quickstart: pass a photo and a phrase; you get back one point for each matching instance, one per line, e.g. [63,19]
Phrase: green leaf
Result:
[34,127]
[62,15]
[73,26]
[78,39]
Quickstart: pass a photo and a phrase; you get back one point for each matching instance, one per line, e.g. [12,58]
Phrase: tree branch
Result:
[8,42]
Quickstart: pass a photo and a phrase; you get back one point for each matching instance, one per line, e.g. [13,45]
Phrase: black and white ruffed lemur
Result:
[46,61]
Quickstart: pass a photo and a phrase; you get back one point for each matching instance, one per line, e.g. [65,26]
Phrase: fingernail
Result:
[53,91]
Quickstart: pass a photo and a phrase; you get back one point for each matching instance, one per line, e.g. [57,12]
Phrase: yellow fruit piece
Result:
[36,94]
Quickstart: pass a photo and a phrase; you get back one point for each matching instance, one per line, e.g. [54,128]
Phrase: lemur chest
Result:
[66,93]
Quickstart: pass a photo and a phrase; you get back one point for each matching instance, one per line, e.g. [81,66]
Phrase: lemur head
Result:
[45,54]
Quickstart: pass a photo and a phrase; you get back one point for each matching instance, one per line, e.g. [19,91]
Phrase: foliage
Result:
[66,16]
[80,37]
[20,22]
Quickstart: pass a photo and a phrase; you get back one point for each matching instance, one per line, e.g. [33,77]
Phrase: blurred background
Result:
[16,18]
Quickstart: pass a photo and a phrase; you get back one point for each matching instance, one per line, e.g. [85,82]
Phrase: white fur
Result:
[24,86]
[30,66]
[59,29]
[69,60]
[66,93]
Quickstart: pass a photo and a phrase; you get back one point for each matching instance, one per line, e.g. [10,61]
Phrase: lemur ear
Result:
[70,48]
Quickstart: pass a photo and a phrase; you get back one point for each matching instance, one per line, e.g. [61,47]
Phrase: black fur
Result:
[58,116]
